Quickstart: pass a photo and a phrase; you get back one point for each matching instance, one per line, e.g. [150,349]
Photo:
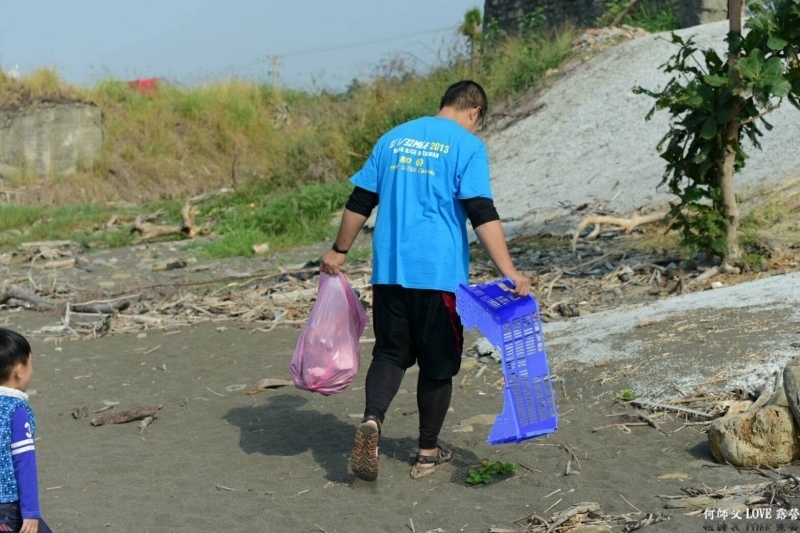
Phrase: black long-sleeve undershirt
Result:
[479,210]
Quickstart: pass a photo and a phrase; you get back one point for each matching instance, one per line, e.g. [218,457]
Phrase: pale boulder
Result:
[765,437]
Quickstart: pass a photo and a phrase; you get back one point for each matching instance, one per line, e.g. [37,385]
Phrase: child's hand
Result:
[30,525]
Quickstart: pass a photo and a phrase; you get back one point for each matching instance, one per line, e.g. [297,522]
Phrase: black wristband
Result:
[338,250]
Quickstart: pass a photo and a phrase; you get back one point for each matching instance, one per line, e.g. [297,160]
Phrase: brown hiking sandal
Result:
[364,461]
[428,464]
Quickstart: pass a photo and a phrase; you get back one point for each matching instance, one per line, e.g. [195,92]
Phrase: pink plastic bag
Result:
[327,356]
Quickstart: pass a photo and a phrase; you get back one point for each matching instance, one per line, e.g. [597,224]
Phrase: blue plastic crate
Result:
[512,324]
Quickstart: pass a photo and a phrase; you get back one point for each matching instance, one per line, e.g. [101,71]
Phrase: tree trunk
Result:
[729,206]
[730,138]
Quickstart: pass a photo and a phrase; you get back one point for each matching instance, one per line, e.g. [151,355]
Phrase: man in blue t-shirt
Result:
[430,175]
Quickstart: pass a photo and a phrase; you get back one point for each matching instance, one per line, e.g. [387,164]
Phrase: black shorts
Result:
[417,326]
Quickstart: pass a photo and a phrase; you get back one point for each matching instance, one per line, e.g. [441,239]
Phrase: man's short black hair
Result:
[464,95]
[14,349]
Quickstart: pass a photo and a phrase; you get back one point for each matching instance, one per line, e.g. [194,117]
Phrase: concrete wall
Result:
[49,139]
[586,12]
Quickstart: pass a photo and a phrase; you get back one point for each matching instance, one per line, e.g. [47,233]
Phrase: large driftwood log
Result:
[625,223]
[128,415]
[12,292]
[188,227]
[36,245]
[104,306]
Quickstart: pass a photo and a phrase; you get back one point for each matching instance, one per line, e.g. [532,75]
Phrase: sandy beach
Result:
[219,459]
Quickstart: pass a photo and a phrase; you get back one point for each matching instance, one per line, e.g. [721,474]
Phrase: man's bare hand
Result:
[522,282]
[331,262]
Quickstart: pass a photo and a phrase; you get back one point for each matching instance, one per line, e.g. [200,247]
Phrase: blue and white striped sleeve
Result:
[23,457]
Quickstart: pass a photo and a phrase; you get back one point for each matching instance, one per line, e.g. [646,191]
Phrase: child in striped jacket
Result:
[19,491]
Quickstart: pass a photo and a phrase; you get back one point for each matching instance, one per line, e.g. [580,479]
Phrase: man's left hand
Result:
[522,282]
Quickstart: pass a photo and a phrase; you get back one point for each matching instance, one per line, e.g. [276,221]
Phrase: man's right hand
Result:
[331,262]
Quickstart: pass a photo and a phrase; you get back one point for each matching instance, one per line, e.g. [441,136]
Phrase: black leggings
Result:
[433,399]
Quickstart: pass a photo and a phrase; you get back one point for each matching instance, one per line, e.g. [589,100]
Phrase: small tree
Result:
[713,104]
[471,29]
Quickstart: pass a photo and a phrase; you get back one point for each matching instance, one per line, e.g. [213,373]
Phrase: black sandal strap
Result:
[433,459]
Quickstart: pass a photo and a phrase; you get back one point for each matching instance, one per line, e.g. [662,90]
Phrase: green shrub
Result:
[652,15]
[489,468]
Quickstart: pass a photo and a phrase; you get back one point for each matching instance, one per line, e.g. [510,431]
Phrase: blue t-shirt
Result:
[420,170]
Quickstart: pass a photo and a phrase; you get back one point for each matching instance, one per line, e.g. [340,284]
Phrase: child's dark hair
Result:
[14,349]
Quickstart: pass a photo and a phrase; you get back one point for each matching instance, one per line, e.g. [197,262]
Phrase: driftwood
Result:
[294,296]
[779,493]
[144,423]
[7,196]
[269,383]
[257,297]
[285,297]
[36,245]
[578,508]
[648,404]
[625,223]
[618,425]
[649,421]
[622,14]
[188,227]
[711,272]
[764,397]
[203,197]
[48,255]
[128,415]
[105,306]
[13,292]
[587,515]
[59,263]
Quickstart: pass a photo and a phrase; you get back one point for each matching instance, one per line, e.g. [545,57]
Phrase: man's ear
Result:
[475,114]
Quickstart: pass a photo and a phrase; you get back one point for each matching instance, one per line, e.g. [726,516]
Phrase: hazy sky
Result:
[190,41]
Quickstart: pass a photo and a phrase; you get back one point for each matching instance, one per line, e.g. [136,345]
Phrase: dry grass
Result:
[771,223]
[44,85]
[182,141]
